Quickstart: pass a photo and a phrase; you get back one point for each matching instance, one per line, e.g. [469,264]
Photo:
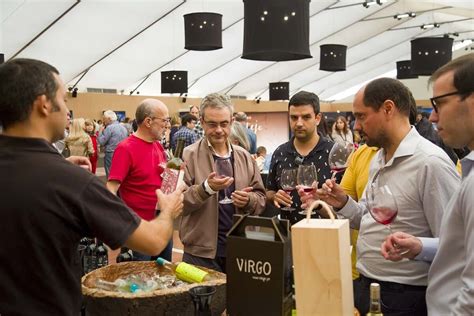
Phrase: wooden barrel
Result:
[174,301]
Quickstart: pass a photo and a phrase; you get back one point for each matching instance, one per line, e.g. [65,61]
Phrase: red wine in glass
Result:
[384,215]
[307,177]
[288,190]
[307,189]
[382,205]
[223,167]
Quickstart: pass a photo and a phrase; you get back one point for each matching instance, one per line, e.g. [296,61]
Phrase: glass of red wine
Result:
[338,157]
[224,169]
[382,205]
[288,184]
[307,178]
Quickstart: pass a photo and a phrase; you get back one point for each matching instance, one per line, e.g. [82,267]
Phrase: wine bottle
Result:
[173,174]
[185,271]
[374,309]
[102,257]
[125,255]
[176,162]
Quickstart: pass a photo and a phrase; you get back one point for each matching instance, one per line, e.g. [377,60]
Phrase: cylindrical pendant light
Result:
[276,30]
[333,57]
[203,31]
[279,91]
[430,53]
[174,81]
[404,70]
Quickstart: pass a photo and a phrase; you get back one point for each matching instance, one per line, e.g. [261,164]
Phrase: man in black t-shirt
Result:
[48,204]
[306,147]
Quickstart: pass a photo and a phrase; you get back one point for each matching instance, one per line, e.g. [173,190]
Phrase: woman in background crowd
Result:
[238,136]
[341,132]
[78,142]
[90,128]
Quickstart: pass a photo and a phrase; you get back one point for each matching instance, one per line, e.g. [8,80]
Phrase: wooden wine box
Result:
[259,278]
[322,267]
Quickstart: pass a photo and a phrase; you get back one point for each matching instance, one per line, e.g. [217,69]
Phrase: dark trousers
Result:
[217,264]
[396,299]
[165,254]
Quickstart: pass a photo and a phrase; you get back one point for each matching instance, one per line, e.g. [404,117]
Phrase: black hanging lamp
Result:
[333,57]
[202,31]
[404,70]
[276,30]
[174,81]
[2,58]
[279,91]
[430,53]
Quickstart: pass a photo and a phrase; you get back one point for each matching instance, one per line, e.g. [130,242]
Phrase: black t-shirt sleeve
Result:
[106,216]
[272,183]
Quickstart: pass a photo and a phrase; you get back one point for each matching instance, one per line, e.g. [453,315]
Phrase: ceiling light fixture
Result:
[430,26]
[368,3]
[404,15]
[380,2]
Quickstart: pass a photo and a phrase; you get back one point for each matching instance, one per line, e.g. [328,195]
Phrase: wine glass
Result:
[306,177]
[224,169]
[288,184]
[338,157]
[382,204]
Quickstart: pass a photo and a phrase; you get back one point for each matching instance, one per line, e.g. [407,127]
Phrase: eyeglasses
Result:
[434,100]
[164,120]
[213,125]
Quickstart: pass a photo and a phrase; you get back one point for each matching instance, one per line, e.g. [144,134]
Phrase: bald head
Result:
[148,108]
[241,117]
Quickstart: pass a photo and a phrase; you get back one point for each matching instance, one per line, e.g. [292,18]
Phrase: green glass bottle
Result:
[185,271]
[176,162]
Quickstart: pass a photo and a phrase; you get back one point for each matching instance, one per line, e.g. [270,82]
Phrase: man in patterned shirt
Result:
[186,131]
[306,147]
[194,110]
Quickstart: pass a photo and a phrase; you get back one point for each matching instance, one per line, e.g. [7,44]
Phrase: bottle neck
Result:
[179,148]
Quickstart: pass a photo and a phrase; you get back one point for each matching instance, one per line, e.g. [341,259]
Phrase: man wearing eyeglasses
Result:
[451,276]
[421,178]
[205,221]
[186,131]
[138,163]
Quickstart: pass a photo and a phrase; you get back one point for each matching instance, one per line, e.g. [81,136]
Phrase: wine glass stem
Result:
[390,228]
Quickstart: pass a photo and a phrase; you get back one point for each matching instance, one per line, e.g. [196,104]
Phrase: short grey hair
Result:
[110,115]
[144,110]
[216,101]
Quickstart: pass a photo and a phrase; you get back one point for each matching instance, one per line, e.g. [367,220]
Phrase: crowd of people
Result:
[424,267]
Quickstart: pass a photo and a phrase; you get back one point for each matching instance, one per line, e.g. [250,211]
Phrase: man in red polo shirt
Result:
[138,162]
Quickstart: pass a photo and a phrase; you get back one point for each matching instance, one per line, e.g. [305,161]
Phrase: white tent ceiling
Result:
[125,44]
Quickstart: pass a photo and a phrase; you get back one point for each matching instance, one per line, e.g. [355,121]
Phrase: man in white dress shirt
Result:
[451,276]
[422,179]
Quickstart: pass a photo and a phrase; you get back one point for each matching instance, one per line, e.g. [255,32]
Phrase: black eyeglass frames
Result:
[435,99]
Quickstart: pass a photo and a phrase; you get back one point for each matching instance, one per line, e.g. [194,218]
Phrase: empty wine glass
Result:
[288,184]
[306,178]
[338,157]
[224,169]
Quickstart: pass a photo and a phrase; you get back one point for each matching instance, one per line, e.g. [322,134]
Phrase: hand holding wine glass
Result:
[288,184]
[307,178]
[224,168]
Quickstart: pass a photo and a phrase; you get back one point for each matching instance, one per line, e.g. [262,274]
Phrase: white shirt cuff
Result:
[208,189]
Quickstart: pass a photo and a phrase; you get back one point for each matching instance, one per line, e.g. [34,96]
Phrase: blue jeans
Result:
[165,254]
[108,163]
